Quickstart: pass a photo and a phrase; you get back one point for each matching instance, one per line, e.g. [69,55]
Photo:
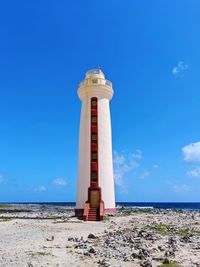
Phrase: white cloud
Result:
[180,69]
[181,188]
[155,166]
[144,174]
[123,164]
[191,152]
[40,189]
[118,159]
[194,173]
[1,179]
[59,182]
[137,154]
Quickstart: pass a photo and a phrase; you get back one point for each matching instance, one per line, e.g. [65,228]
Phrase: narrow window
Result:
[94,137]
[94,155]
[94,175]
[94,103]
[94,80]
[94,119]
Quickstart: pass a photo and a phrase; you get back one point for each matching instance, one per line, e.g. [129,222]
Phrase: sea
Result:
[151,205]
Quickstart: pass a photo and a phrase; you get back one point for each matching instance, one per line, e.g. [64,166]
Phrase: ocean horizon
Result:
[153,205]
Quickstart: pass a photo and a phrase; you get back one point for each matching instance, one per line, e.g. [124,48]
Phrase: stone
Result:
[166,261]
[92,236]
[161,248]
[146,263]
[135,255]
[157,258]
[142,233]
[91,250]
[104,263]
[143,254]
[172,240]
[86,253]
[169,253]
[186,239]
[50,239]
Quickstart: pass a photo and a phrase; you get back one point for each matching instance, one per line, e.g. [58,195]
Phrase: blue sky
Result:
[148,49]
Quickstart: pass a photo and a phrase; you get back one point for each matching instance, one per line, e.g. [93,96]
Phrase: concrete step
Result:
[93,214]
[93,219]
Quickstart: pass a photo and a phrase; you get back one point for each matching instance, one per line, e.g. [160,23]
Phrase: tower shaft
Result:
[95,193]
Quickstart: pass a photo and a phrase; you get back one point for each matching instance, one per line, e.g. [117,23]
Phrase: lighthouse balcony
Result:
[95,85]
[95,81]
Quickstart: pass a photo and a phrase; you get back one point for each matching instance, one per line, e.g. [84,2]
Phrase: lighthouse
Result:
[95,188]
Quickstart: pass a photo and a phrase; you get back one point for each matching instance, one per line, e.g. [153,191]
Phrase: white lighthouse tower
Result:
[95,192]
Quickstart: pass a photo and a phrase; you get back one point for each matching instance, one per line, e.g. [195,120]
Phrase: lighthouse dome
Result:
[95,73]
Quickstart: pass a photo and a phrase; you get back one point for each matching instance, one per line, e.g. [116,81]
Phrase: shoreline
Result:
[137,205]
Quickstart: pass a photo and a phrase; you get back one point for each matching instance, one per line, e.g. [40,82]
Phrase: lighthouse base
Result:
[79,212]
[110,211]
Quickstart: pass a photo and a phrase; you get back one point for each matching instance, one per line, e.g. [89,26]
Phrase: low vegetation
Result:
[5,220]
[171,264]
[125,211]
[164,229]
[196,223]
[13,211]
[196,232]
[129,211]
[35,254]
[3,206]
[106,218]
[67,221]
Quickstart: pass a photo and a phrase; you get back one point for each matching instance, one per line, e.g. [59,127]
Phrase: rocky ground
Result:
[40,235]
